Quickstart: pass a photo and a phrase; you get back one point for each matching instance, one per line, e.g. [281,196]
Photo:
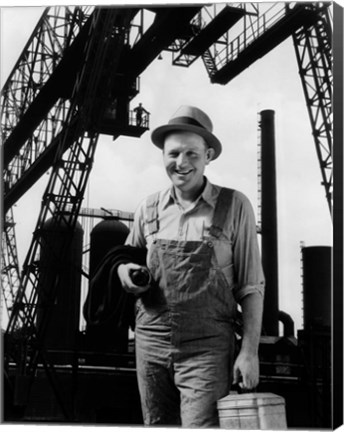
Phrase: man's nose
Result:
[181,160]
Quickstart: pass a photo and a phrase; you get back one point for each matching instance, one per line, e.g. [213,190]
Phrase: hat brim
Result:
[158,136]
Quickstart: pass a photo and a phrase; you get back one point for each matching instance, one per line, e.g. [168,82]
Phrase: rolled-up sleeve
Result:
[136,236]
[246,254]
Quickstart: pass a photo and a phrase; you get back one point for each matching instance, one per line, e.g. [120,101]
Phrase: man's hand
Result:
[246,371]
[246,366]
[124,276]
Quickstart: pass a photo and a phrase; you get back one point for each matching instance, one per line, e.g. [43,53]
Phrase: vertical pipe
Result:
[269,222]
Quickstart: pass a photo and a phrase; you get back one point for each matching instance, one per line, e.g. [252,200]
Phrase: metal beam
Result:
[314,56]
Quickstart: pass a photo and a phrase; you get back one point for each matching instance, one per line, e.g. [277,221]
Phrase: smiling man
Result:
[202,253]
[185,156]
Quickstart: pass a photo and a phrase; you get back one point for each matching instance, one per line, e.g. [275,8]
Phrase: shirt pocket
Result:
[223,253]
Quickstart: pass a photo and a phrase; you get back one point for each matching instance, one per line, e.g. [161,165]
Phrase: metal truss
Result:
[314,56]
[28,154]
[55,31]
[10,274]
[256,30]
[70,171]
[261,27]
[66,186]
[257,18]
[47,123]
[54,34]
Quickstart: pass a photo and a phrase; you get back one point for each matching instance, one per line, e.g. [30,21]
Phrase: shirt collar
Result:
[207,196]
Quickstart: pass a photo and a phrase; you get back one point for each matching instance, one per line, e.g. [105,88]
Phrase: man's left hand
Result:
[246,370]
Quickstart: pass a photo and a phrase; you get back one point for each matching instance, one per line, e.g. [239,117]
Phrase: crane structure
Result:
[74,81]
[314,56]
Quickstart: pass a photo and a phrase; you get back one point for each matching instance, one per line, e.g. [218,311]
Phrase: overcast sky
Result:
[128,169]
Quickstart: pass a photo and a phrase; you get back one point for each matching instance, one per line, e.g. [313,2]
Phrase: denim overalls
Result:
[184,327]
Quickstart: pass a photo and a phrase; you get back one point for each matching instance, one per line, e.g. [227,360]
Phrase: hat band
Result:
[185,121]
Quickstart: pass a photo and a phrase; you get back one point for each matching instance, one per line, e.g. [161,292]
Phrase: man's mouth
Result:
[183,172]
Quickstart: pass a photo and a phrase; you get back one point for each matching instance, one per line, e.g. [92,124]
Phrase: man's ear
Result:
[209,154]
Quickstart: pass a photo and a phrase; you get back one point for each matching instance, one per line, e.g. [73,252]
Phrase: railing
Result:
[139,119]
[254,27]
[102,213]
[257,20]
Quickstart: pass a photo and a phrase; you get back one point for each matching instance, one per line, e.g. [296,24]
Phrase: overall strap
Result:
[223,204]
[152,213]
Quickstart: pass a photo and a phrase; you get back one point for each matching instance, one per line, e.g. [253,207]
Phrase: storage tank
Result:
[105,236]
[59,284]
[316,286]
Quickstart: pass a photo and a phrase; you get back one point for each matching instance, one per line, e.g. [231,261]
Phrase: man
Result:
[139,110]
[203,256]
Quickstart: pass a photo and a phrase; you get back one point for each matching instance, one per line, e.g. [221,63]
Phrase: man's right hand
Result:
[126,281]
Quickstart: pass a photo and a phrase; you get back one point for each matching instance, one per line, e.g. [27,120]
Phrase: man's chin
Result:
[180,184]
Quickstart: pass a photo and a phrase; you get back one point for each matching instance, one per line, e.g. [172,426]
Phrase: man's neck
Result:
[188,197]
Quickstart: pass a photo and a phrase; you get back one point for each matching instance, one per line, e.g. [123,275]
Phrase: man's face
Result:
[185,157]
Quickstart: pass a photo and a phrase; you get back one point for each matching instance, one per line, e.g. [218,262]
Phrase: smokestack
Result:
[269,222]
